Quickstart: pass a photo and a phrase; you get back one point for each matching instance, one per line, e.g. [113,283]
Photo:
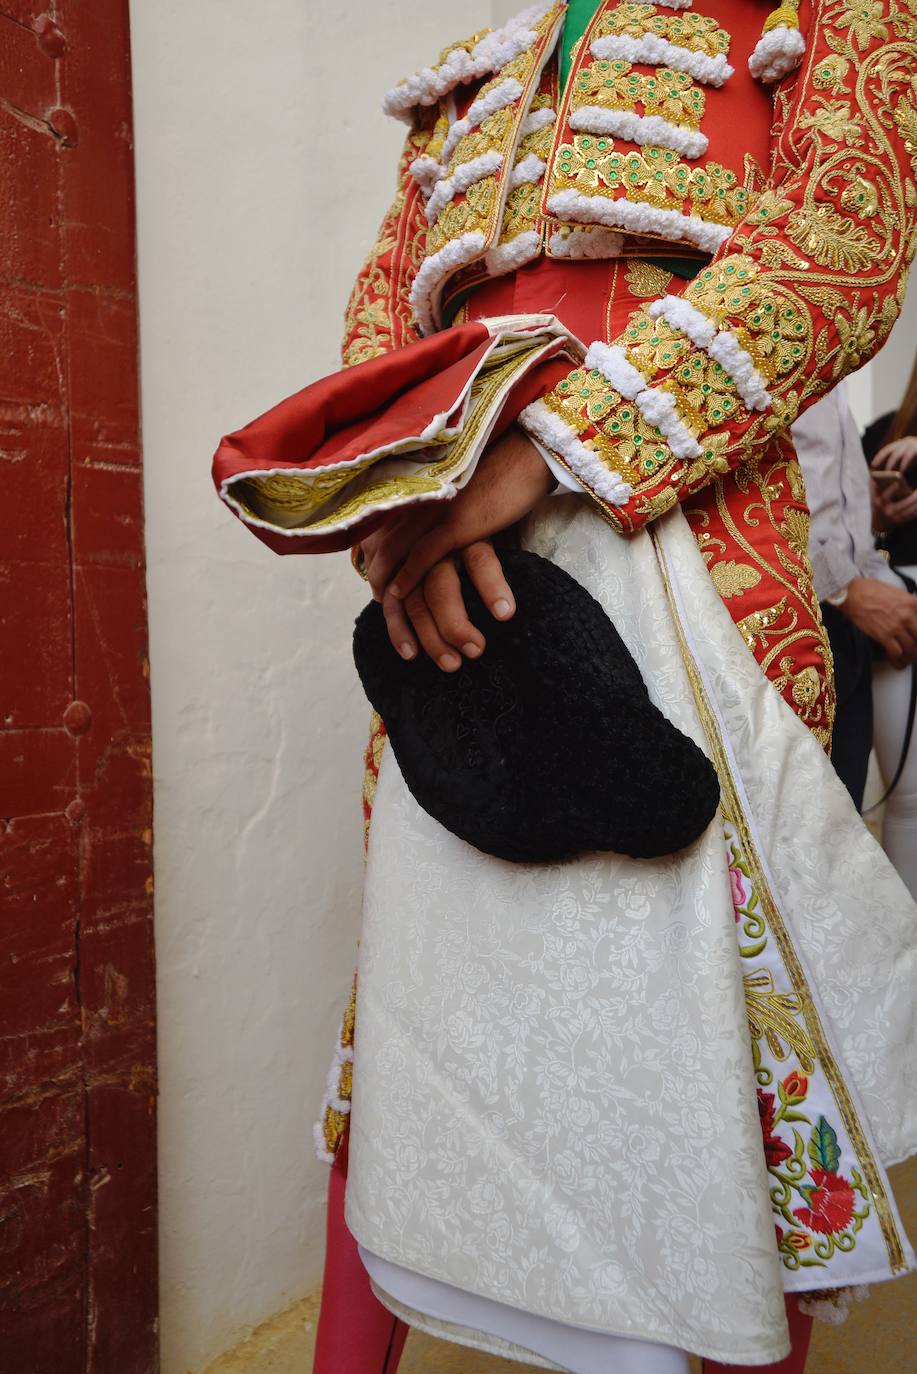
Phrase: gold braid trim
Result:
[816,1039]
[379,317]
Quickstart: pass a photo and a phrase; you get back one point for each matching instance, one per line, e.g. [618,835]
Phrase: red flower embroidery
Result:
[795,1085]
[830,1204]
[775,1150]
[738,889]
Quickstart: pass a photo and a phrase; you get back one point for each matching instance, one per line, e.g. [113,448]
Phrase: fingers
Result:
[442,591]
[398,626]
[903,511]
[385,550]
[434,617]
[428,551]
[900,454]
[895,653]
[886,460]
[427,632]
[486,572]
[901,640]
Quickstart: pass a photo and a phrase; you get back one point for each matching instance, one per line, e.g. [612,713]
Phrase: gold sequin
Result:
[732,578]
[646,280]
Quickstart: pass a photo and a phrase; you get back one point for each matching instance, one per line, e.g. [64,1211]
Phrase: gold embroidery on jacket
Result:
[616,86]
[379,316]
[653,176]
[523,204]
[646,280]
[472,212]
[694,31]
[732,578]
[830,236]
[491,135]
[590,392]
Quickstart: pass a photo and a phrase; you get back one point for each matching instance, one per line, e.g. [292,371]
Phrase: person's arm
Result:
[848,571]
[819,442]
[803,291]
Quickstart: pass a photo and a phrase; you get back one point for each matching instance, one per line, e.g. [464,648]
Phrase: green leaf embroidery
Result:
[823,1147]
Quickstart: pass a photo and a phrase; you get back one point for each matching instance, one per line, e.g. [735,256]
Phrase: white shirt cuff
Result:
[566,482]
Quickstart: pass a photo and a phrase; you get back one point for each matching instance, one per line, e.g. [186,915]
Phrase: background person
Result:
[862,600]
[891,444]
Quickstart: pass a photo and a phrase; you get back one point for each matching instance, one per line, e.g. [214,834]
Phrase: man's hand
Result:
[435,611]
[887,614]
[411,564]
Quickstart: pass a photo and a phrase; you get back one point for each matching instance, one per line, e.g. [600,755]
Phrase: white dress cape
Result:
[554,1099]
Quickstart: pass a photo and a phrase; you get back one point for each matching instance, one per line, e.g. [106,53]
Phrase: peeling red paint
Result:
[77,1028]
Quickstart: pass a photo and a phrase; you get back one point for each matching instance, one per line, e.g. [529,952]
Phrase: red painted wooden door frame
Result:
[77,1047]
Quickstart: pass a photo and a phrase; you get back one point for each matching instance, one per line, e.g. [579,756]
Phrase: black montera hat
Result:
[548,745]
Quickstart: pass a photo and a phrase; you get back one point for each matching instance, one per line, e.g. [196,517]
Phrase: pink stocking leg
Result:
[356,1334]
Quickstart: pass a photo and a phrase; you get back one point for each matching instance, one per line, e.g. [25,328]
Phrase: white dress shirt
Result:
[841,545]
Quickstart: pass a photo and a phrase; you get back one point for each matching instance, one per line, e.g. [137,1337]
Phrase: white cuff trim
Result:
[734,360]
[506,257]
[684,317]
[657,407]
[433,272]
[538,119]
[637,218]
[528,172]
[720,344]
[611,361]
[676,4]
[465,175]
[641,129]
[426,171]
[659,52]
[776,53]
[486,104]
[586,243]
[489,54]
[556,435]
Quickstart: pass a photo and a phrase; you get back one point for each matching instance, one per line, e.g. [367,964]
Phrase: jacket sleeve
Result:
[804,290]
[379,316]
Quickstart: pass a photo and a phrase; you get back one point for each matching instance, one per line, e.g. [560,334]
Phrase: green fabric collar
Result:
[579,13]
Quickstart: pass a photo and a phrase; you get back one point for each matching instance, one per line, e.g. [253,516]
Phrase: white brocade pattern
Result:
[554,1098]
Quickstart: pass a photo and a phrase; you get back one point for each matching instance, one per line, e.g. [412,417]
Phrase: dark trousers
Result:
[852,741]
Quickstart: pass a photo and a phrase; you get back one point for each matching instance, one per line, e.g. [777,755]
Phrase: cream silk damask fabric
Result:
[556,1104]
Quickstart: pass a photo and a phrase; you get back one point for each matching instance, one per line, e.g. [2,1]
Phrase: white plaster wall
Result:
[263,168]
